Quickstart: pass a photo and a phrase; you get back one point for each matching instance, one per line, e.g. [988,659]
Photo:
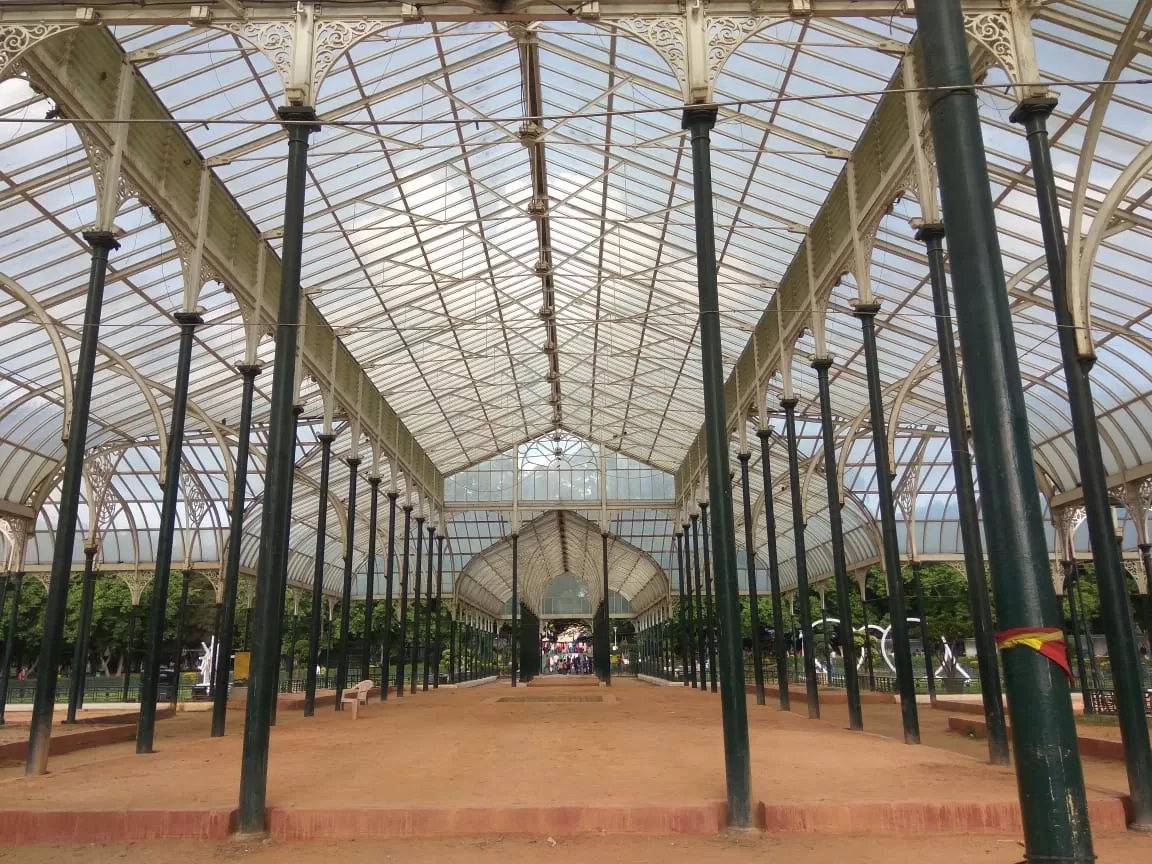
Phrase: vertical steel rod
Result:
[699,120]
[753,596]
[316,612]
[836,529]
[709,605]
[417,572]
[389,572]
[150,674]
[1115,606]
[346,596]
[226,635]
[778,643]
[905,675]
[56,604]
[370,578]
[1048,771]
[404,569]
[17,582]
[802,590]
[932,235]
[80,652]
[272,565]
[428,610]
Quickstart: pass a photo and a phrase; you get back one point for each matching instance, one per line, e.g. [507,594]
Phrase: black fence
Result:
[1104,702]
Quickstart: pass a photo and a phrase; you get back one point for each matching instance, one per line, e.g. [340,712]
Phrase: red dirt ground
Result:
[649,745]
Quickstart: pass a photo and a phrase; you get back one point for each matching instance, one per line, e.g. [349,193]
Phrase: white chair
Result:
[356,696]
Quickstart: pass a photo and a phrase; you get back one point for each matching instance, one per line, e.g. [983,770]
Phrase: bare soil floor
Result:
[737,849]
[462,748]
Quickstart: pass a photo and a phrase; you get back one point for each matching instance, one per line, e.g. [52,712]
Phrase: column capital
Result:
[699,115]
[407,508]
[296,116]
[765,434]
[694,516]
[101,240]
[862,309]
[392,494]
[374,480]
[352,462]
[249,370]
[1033,108]
[188,319]
[789,404]
[325,437]
[929,230]
[820,364]
[743,457]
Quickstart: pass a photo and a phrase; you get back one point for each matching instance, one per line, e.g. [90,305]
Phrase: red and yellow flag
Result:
[1049,641]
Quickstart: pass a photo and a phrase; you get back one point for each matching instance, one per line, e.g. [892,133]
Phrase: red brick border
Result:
[465,821]
[1098,748]
[113,826]
[831,696]
[17,751]
[884,817]
[879,817]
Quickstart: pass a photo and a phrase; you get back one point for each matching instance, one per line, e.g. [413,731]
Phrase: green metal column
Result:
[753,597]
[437,649]
[80,651]
[1048,771]
[699,120]
[802,590]
[698,624]
[428,609]
[453,654]
[290,669]
[181,616]
[389,572]
[370,575]
[932,235]
[898,617]
[513,640]
[56,604]
[1115,606]
[607,662]
[836,529]
[417,571]
[329,678]
[690,611]
[403,636]
[316,612]
[1146,562]
[276,638]
[921,613]
[346,596]
[279,467]
[682,609]
[129,645]
[150,674]
[1071,580]
[17,580]
[226,634]
[709,606]
[781,649]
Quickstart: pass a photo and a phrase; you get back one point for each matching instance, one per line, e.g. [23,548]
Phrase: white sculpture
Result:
[207,662]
